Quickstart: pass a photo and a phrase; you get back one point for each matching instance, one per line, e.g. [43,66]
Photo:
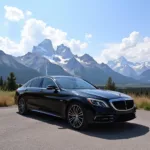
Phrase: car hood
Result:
[106,94]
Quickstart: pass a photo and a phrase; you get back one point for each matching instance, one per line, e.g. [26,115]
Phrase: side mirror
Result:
[52,87]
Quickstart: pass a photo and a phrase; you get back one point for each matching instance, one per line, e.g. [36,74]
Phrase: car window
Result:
[27,84]
[36,82]
[47,82]
[73,83]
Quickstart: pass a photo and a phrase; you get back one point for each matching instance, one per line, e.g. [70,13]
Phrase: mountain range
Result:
[9,64]
[45,60]
[127,68]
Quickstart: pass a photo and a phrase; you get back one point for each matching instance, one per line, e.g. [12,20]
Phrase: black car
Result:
[75,100]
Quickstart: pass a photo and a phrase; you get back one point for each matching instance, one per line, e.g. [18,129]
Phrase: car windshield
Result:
[73,83]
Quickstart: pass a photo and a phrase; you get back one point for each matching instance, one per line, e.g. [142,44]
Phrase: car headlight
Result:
[97,102]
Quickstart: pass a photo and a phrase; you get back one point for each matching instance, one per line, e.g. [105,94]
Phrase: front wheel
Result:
[22,106]
[76,116]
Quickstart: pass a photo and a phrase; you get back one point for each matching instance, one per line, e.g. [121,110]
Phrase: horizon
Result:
[110,28]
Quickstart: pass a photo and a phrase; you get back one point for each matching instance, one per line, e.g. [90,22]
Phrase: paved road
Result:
[40,132]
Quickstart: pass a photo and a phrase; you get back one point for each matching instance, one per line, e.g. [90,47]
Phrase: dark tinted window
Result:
[73,83]
[36,82]
[47,82]
[27,84]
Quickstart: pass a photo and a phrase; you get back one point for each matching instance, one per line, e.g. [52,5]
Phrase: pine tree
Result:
[1,81]
[110,85]
[113,86]
[11,82]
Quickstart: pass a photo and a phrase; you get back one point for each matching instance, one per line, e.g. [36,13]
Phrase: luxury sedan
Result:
[74,99]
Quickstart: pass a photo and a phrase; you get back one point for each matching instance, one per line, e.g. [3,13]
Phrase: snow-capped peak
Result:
[64,51]
[46,44]
[44,48]
[123,66]
[86,58]
[122,60]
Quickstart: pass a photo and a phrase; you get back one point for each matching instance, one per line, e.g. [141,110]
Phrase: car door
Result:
[51,100]
[34,93]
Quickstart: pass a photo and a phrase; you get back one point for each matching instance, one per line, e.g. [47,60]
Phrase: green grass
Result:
[144,105]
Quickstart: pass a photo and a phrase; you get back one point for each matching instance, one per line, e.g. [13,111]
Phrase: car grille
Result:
[123,104]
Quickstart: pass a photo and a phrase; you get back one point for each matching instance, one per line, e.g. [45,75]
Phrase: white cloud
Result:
[9,46]
[34,31]
[134,48]
[75,45]
[130,41]
[13,13]
[28,13]
[88,36]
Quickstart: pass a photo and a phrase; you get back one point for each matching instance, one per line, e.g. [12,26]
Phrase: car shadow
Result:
[117,131]
[112,131]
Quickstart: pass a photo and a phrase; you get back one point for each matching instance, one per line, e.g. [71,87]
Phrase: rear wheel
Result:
[76,116]
[22,106]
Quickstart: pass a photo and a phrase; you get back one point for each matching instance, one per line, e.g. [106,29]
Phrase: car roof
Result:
[55,76]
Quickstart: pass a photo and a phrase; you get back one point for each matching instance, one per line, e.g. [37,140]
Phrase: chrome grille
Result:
[122,104]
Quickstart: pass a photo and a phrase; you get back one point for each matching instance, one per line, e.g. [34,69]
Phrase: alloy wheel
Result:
[75,116]
[21,106]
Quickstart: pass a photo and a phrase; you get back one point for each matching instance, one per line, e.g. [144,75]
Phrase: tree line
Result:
[138,91]
[11,85]
[144,91]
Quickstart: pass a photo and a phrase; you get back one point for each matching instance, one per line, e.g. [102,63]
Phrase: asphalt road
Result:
[41,132]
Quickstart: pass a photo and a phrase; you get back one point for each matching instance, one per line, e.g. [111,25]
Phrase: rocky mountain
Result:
[123,67]
[87,60]
[145,76]
[127,68]
[64,51]
[45,60]
[44,48]
[94,72]
[9,64]
[84,66]
[41,64]
[141,67]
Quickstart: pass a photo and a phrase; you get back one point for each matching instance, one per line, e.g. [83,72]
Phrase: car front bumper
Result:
[109,115]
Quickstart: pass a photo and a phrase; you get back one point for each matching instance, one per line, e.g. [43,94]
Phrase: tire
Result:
[22,106]
[76,116]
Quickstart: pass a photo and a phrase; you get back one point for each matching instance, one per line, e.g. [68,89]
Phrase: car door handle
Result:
[41,91]
[26,89]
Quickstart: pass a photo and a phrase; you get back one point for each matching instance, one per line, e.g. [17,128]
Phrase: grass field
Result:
[7,99]
[142,102]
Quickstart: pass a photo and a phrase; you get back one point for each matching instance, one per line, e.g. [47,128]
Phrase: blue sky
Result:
[107,21]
